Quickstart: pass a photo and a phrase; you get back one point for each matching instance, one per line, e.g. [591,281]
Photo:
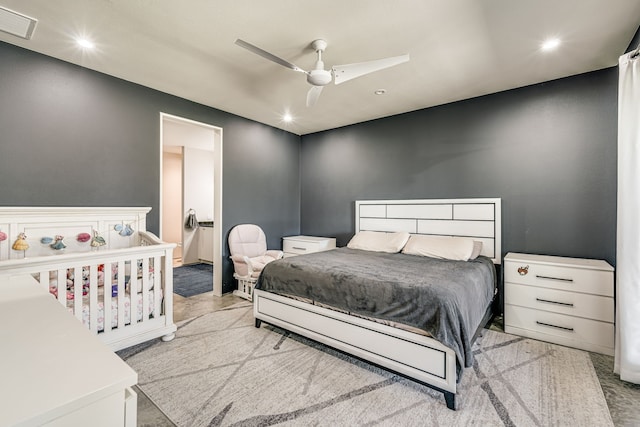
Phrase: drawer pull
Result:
[555,326]
[566,304]
[300,249]
[554,278]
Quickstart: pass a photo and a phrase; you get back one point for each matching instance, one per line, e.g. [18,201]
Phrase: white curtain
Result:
[627,359]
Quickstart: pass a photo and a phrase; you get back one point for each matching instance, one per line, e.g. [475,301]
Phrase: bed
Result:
[99,263]
[327,296]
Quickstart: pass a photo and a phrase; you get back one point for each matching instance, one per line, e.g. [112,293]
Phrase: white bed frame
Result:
[416,356]
[140,248]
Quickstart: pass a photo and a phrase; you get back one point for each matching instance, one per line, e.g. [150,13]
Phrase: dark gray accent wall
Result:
[70,136]
[73,137]
[548,150]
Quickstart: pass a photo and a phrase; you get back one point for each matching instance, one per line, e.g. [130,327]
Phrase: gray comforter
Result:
[448,299]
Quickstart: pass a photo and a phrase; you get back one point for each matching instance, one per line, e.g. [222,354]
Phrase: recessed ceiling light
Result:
[287,118]
[380,91]
[550,44]
[85,43]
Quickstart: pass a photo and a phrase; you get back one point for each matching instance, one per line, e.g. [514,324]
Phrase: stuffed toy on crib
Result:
[85,280]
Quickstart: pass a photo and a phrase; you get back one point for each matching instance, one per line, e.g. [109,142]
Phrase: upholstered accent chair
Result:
[249,253]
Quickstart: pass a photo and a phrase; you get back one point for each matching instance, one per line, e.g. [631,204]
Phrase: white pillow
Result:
[477,249]
[455,248]
[378,241]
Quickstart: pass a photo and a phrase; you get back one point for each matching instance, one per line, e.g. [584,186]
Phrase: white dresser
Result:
[54,371]
[567,301]
[298,245]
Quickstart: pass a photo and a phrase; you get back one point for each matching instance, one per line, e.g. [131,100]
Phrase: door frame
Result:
[217,191]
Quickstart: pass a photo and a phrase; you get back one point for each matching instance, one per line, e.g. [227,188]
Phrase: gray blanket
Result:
[448,299]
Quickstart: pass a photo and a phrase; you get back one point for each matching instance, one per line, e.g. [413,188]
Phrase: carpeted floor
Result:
[194,279]
[221,370]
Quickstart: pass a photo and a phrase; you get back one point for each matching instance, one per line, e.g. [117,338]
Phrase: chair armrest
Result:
[237,258]
[241,265]
[274,253]
[248,262]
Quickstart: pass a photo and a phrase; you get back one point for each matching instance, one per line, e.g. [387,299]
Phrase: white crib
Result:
[122,291]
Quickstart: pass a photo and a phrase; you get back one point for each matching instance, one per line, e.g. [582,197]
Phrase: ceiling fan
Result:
[318,77]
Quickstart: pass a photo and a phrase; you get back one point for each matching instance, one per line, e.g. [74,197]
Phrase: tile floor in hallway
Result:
[623,398]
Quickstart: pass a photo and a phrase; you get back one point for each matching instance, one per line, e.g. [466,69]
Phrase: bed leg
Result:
[258,323]
[450,398]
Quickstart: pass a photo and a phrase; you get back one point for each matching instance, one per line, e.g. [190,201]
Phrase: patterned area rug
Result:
[190,280]
[221,370]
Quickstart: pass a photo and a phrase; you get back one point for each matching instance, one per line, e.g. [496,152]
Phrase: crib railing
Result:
[89,284]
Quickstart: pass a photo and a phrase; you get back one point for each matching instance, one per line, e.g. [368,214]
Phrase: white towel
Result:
[192,221]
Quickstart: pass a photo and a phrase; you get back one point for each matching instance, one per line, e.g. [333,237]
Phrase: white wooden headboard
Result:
[479,219]
[47,222]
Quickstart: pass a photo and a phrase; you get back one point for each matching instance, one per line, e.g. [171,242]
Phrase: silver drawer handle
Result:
[567,304]
[554,326]
[300,249]
[554,278]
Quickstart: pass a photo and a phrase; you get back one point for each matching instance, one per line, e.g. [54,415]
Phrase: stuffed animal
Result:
[85,277]
[21,243]
[70,277]
[71,281]
[97,240]
[58,244]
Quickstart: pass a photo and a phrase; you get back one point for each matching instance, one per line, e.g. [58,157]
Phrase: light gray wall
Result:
[548,150]
[70,136]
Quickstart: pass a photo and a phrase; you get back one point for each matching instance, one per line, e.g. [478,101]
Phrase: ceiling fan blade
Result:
[343,73]
[313,95]
[269,56]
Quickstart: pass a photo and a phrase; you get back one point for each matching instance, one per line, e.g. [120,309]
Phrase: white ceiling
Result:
[459,49]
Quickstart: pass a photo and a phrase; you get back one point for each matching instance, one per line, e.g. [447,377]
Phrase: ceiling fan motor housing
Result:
[319,77]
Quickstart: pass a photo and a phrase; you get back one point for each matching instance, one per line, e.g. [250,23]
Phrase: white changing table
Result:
[54,371]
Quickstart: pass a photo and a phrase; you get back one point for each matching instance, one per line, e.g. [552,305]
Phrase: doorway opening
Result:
[191,192]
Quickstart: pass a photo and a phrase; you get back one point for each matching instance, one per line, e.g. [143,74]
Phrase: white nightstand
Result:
[298,245]
[567,301]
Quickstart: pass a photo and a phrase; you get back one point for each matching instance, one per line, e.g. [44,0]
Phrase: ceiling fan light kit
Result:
[318,77]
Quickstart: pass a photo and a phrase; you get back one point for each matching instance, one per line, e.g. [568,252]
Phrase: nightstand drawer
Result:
[570,303]
[307,244]
[559,328]
[300,246]
[591,281]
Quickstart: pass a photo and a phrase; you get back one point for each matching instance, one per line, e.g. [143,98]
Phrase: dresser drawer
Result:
[307,244]
[571,303]
[562,329]
[590,281]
